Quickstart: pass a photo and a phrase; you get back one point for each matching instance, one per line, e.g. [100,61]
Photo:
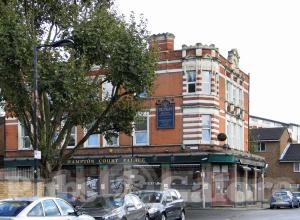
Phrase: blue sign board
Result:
[165,115]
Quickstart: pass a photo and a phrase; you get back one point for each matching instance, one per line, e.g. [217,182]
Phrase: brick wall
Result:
[9,189]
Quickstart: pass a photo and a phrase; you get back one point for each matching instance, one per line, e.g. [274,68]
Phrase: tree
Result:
[70,92]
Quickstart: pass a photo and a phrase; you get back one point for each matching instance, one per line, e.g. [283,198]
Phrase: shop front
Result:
[204,179]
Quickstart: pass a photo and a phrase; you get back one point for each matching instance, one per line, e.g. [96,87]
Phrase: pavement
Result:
[249,213]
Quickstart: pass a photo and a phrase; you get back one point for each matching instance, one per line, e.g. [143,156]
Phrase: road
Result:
[243,214]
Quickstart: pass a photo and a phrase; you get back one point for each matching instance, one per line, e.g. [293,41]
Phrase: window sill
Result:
[25,149]
[96,146]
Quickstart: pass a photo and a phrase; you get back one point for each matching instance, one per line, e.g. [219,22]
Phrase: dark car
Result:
[110,207]
[297,195]
[163,205]
[70,198]
[283,199]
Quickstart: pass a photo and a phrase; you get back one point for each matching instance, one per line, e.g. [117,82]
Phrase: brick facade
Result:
[216,101]
[278,174]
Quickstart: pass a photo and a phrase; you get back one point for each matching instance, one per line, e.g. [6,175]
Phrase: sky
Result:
[265,32]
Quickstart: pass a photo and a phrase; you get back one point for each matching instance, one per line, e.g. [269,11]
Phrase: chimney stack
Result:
[163,42]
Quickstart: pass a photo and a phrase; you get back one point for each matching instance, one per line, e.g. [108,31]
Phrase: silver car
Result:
[39,209]
[283,199]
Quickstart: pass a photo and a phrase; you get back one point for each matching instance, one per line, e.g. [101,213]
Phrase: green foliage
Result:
[253,141]
[70,94]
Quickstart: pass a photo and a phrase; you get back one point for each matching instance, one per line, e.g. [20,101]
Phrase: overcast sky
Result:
[265,32]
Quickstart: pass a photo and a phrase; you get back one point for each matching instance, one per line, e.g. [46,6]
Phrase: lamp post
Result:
[37,155]
[132,138]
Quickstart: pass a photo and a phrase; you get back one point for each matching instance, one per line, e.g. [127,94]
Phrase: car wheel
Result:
[182,217]
[271,207]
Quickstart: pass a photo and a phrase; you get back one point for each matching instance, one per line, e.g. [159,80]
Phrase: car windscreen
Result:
[150,197]
[104,202]
[12,208]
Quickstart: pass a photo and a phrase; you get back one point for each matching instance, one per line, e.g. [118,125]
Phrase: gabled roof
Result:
[292,154]
[266,134]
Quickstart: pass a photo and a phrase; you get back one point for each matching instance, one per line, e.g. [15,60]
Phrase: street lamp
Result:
[132,139]
[37,155]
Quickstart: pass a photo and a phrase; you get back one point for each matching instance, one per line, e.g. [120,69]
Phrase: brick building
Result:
[197,95]
[281,155]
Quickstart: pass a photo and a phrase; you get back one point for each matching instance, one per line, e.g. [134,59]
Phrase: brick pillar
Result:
[262,188]
[208,181]
[165,176]
[245,186]
[104,179]
[233,184]
[255,185]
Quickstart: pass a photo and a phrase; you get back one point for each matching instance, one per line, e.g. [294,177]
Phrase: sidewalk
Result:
[248,207]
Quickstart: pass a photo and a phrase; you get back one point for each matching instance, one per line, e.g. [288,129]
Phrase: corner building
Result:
[197,95]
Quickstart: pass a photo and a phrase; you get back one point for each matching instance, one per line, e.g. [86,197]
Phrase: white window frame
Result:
[296,167]
[258,147]
[75,137]
[21,128]
[206,83]
[143,114]
[229,91]
[107,88]
[241,97]
[191,82]
[86,143]
[206,128]
[106,144]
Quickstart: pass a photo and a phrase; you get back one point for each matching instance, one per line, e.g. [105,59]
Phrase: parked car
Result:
[297,195]
[163,205]
[39,208]
[70,198]
[283,199]
[110,207]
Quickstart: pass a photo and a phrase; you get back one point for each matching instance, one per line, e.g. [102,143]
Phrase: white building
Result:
[259,122]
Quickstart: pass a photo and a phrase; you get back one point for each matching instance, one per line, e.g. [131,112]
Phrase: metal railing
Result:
[16,174]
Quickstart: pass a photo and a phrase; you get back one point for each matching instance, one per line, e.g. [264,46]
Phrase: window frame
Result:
[188,83]
[86,143]
[21,131]
[106,143]
[146,115]
[259,147]
[208,128]
[294,166]
[205,83]
[75,137]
